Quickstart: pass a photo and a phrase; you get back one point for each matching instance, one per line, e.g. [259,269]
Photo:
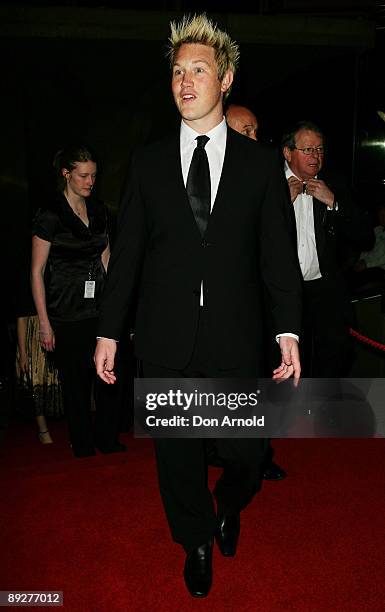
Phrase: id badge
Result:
[89,289]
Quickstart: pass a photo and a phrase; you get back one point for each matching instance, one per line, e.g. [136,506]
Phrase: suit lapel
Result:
[319,211]
[172,182]
[320,221]
[226,192]
[226,188]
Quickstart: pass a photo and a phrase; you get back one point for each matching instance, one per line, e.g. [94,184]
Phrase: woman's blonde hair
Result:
[200,29]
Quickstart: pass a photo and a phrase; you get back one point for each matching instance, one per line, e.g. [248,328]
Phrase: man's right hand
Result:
[104,359]
[295,186]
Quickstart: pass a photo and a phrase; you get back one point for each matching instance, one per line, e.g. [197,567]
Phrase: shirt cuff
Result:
[288,334]
[104,338]
[334,206]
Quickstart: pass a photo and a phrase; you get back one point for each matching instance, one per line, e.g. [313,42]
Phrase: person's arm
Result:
[21,327]
[348,218]
[280,270]
[40,253]
[122,278]
[104,359]
[106,256]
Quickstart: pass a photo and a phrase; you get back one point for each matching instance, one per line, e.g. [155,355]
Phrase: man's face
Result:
[243,121]
[305,166]
[196,88]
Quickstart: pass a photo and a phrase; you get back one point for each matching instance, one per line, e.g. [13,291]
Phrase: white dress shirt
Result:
[306,245]
[215,149]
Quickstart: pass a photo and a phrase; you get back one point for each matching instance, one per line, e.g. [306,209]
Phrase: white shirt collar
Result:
[289,172]
[188,135]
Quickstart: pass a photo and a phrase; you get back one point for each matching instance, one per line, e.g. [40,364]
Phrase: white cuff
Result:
[288,334]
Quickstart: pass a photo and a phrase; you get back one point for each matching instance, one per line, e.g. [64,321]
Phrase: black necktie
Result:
[198,184]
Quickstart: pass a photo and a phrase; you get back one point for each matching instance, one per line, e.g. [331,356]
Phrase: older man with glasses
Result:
[325,217]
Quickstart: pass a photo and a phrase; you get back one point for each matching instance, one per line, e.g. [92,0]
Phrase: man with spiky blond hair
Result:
[196,248]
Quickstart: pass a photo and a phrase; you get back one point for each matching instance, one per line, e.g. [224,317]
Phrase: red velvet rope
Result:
[366,340]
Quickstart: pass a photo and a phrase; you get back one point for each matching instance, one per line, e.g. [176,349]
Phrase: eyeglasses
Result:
[311,150]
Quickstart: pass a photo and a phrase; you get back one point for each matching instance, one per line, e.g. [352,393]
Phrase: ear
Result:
[227,81]
[287,154]
[66,173]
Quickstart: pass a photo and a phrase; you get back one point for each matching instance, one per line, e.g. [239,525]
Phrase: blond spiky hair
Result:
[201,30]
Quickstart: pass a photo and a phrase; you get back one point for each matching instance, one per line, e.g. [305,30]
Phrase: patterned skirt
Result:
[41,380]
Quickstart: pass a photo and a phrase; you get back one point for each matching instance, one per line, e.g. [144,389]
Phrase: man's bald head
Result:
[242,120]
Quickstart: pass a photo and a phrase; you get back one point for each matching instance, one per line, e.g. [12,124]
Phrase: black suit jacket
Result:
[159,250]
[338,230]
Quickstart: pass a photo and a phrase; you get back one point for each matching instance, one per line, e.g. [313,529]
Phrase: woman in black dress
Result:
[70,254]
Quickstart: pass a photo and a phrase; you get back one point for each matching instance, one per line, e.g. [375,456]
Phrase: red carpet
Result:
[94,528]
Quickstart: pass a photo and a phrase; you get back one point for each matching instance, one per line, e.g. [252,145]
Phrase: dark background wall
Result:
[116,95]
[100,74]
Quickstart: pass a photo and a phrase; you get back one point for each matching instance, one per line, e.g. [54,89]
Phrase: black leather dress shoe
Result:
[227,533]
[272,471]
[117,447]
[198,573]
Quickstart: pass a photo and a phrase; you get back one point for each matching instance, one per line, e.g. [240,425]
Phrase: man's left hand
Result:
[319,190]
[290,365]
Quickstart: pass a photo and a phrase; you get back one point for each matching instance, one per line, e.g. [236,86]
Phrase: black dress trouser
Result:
[74,350]
[182,462]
